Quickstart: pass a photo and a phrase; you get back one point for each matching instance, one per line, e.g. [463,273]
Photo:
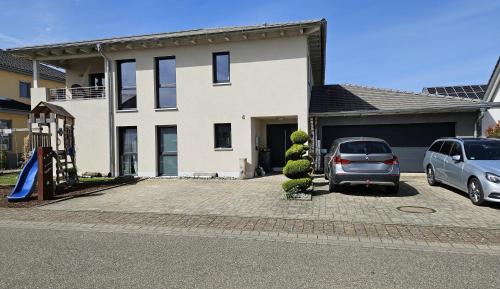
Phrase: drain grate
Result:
[416,210]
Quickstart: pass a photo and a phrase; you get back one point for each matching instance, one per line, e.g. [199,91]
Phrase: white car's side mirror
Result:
[456,158]
[324,151]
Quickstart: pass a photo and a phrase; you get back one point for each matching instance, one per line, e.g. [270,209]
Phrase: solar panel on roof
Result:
[431,90]
[440,90]
[468,88]
[449,90]
[464,91]
[458,89]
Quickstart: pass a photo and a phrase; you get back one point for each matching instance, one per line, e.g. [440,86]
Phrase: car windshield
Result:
[482,150]
[365,147]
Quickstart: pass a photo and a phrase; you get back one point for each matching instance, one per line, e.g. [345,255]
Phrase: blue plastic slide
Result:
[27,180]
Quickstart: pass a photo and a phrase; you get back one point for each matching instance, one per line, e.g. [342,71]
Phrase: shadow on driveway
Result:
[466,195]
[405,190]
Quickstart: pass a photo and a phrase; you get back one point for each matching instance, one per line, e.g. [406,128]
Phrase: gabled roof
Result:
[315,30]
[10,104]
[45,107]
[494,83]
[347,99]
[464,91]
[17,64]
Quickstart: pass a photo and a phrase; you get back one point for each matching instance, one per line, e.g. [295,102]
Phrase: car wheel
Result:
[476,192]
[392,190]
[431,177]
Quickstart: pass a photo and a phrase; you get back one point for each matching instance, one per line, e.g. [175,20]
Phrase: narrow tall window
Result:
[222,135]
[166,82]
[221,67]
[5,139]
[24,89]
[127,92]
[127,138]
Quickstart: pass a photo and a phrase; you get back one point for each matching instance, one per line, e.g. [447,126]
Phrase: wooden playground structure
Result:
[51,136]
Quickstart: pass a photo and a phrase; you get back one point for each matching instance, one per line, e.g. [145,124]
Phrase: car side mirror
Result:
[457,158]
[324,151]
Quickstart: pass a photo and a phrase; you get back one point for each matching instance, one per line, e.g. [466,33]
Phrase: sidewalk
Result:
[271,229]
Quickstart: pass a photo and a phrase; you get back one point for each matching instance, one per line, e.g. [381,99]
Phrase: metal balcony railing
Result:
[92,92]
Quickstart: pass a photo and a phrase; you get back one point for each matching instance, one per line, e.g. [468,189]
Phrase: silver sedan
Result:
[470,165]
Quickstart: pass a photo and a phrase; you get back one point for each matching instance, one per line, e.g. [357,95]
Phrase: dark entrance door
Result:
[96,79]
[278,141]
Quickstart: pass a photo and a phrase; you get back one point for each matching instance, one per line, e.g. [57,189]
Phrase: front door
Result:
[167,151]
[278,141]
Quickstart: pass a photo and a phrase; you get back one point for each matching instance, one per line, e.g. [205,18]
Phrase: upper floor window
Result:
[127,92]
[222,135]
[221,67]
[165,82]
[24,89]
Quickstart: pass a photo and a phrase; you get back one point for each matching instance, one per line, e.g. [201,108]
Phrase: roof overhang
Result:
[315,30]
[470,108]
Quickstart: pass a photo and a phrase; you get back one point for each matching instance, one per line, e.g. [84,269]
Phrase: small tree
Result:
[494,131]
[298,165]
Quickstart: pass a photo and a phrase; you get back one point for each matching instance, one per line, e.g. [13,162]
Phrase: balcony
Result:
[76,93]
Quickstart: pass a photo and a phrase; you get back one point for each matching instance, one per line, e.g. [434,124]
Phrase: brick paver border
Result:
[393,234]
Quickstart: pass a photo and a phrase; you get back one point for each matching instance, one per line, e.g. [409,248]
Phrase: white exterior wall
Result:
[268,79]
[91,130]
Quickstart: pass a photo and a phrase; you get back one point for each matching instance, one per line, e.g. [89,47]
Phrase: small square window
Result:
[221,67]
[222,135]
[24,89]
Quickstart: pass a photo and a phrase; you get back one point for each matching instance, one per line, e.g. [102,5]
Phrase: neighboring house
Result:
[198,102]
[16,79]
[492,96]
[487,93]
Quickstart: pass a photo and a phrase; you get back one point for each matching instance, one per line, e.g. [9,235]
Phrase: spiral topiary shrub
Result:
[298,165]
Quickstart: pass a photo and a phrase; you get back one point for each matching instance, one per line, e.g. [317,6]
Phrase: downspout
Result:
[478,130]
[109,90]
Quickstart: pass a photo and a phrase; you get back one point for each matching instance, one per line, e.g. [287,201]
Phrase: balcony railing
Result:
[92,92]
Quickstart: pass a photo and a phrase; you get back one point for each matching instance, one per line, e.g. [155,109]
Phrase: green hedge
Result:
[295,152]
[299,137]
[297,168]
[297,185]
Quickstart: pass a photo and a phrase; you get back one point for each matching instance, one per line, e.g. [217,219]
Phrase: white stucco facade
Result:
[268,85]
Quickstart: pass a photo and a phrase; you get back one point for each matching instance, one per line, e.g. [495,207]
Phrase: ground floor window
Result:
[5,138]
[222,135]
[127,137]
[167,151]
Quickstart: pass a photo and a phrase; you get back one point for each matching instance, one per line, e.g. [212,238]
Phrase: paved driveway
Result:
[262,197]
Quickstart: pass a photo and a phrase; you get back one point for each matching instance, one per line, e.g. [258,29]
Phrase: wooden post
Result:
[45,186]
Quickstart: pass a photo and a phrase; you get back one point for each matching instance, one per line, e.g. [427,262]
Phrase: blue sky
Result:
[391,44]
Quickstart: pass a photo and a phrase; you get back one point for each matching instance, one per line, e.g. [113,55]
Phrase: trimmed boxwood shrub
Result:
[298,166]
[299,137]
[295,152]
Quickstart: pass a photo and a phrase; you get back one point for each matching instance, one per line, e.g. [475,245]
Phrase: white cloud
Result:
[10,39]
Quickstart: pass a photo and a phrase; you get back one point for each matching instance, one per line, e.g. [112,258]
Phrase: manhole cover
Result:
[416,210]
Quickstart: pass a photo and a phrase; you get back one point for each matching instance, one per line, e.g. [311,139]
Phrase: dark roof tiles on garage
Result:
[341,99]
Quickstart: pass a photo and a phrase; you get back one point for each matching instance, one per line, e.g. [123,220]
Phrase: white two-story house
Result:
[207,101]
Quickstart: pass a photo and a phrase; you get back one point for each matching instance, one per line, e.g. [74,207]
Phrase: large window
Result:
[5,138]
[165,82]
[24,89]
[127,92]
[128,150]
[221,67]
[222,135]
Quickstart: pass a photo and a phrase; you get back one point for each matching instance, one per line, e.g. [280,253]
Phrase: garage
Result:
[408,121]
[408,141]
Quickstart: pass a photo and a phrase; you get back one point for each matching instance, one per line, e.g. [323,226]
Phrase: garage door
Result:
[409,141]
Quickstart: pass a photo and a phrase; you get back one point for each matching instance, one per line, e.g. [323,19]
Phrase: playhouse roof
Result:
[45,107]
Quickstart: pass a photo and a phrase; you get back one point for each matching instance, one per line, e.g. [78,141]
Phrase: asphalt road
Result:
[71,259]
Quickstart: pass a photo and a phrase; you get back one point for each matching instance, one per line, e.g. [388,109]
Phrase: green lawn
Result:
[8,179]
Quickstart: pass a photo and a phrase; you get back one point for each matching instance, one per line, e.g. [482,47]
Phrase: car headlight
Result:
[492,178]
